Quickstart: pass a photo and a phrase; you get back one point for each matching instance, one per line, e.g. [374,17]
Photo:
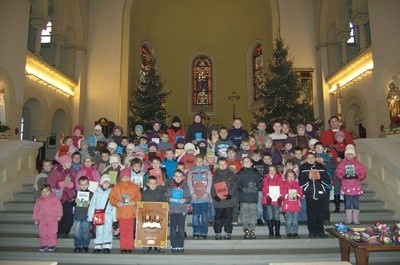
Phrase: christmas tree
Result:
[283,97]
[148,102]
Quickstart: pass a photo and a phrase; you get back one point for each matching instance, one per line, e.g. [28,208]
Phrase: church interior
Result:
[70,62]
[88,63]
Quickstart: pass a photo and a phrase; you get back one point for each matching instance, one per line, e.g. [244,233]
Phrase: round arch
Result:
[32,120]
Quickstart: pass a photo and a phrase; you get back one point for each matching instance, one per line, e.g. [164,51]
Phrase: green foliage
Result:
[148,101]
[4,128]
[284,97]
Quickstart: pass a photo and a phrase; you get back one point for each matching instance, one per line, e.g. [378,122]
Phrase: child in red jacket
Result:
[272,200]
[291,203]
[46,214]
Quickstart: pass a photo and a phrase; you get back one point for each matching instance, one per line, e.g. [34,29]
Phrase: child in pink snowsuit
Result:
[46,214]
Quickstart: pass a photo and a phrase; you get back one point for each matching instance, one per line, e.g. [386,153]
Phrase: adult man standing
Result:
[328,136]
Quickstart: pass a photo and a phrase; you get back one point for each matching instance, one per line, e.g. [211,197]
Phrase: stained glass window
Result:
[258,71]
[202,82]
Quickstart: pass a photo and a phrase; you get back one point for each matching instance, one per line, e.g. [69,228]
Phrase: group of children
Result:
[223,177]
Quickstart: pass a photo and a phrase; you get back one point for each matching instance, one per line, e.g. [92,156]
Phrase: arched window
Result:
[202,84]
[45,36]
[258,71]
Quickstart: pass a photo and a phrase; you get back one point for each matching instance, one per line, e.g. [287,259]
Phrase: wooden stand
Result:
[361,250]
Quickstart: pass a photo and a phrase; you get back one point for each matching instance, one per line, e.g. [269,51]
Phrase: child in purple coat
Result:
[46,214]
[351,172]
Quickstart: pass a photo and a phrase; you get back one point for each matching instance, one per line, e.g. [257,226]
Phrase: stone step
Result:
[237,242]
[24,197]
[27,205]
[259,256]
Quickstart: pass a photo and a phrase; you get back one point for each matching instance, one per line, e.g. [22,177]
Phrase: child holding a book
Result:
[199,180]
[157,171]
[137,175]
[291,203]
[100,200]
[81,224]
[153,193]
[47,212]
[124,196]
[224,194]
[352,173]
[272,200]
[178,198]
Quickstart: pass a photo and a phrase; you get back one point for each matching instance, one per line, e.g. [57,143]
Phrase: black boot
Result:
[270,228]
[336,199]
[277,225]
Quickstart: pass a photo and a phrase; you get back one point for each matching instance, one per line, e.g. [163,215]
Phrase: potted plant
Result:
[4,131]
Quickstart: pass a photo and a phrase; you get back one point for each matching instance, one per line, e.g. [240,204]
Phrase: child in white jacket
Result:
[104,236]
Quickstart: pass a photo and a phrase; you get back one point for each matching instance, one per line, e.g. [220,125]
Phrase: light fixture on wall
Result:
[356,69]
[38,70]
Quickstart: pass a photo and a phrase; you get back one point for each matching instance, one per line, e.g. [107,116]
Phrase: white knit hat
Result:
[350,149]
[189,146]
[114,159]
[97,127]
[104,178]
[312,142]
[112,145]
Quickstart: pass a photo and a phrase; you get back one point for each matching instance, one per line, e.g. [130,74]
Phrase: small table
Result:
[361,250]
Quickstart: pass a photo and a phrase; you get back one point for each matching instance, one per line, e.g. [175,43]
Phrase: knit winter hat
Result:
[130,146]
[350,149]
[82,142]
[176,119]
[97,127]
[189,146]
[105,178]
[312,142]
[152,144]
[139,127]
[78,127]
[65,159]
[180,141]
[339,133]
[139,151]
[126,172]
[202,141]
[114,159]
[112,145]
[210,153]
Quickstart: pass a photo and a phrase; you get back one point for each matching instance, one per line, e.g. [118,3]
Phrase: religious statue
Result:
[393,100]
[2,106]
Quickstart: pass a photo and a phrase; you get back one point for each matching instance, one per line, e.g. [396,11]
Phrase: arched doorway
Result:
[60,123]
[32,123]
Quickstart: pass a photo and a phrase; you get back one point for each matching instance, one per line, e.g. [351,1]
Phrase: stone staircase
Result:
[19,241]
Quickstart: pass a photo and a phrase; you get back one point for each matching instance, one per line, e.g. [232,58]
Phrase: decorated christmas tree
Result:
[283,97]
[148,101]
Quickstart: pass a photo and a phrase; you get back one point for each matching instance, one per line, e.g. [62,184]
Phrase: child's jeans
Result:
[351,202]
[200,218]
[291,223]
[81,231]
[248,215]
[271,212]
[302,215]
